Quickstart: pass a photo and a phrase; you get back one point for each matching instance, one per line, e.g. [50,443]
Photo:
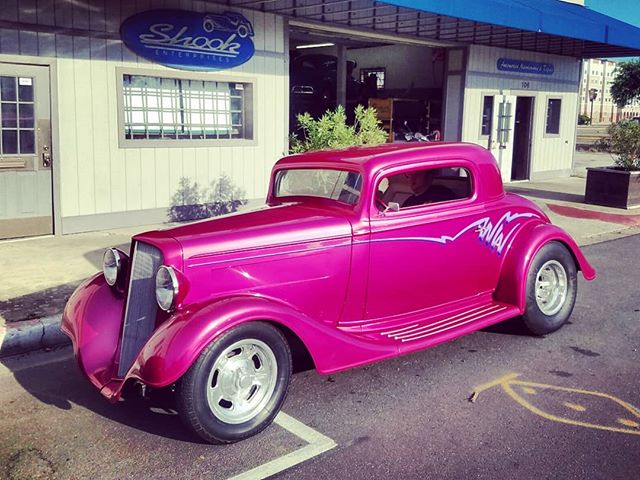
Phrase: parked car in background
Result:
[359,255]
[313,79]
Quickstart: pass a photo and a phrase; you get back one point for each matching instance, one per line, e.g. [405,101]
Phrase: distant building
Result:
[599,74]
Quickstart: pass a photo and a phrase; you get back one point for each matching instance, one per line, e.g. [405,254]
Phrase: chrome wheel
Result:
[551,287]
[242,381]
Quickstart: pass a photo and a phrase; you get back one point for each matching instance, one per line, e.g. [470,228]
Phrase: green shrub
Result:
[624,143]
[331,130]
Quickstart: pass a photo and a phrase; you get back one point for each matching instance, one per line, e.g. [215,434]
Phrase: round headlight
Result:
[166,287]
[111,263]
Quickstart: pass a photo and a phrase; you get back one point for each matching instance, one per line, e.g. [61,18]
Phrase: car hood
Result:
[268,226]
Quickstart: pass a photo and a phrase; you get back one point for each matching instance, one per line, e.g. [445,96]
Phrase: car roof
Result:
[369,158]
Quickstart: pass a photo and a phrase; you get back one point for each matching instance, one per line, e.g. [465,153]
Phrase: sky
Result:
[626,10]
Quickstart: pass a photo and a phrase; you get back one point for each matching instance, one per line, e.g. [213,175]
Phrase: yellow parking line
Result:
[509,381]
[628,423]
[574,406]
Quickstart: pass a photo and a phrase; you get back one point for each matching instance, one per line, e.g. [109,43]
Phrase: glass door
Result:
[26,200]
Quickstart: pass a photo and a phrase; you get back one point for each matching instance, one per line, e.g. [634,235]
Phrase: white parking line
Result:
[318,444]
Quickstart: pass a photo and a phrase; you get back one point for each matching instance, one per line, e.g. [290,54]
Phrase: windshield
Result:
[339,185]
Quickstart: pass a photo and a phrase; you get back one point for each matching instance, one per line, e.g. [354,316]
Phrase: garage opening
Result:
[402,81]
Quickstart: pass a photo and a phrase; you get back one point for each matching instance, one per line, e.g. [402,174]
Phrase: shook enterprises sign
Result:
[524,66]
[190,40]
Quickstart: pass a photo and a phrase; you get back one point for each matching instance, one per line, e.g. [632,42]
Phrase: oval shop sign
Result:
[190,40]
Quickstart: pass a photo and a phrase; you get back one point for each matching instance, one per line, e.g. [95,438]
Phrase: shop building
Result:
[117,113]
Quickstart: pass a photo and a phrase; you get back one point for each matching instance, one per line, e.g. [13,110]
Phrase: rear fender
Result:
[512,284]
[177,343]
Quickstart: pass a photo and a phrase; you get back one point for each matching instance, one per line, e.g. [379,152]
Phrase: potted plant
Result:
[618,185]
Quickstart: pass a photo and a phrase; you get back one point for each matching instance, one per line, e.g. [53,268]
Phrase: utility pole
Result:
[593,94]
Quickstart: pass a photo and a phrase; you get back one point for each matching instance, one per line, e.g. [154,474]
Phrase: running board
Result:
[427,331]
[422,330]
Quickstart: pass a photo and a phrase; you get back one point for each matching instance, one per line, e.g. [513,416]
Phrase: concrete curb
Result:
[31,335]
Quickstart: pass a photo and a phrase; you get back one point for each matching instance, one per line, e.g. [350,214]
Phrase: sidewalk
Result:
[40,275]
[43,272]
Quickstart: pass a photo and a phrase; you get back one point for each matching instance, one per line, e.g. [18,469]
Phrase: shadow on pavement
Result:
[50,301]
[62,385]
[513,326]
[44,303]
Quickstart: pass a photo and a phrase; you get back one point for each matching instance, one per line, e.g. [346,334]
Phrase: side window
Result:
[487,115]
[553,116]
[420,187]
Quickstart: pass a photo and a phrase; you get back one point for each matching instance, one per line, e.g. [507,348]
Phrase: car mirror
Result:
[392,207]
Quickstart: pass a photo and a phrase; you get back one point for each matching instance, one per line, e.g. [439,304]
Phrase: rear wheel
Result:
[552,286]
[237,385]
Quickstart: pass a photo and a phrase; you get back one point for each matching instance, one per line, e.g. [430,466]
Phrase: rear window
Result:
[420,187]
[340,185]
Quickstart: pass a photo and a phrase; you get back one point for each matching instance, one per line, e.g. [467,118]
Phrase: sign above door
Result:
[190,40]
[524,66]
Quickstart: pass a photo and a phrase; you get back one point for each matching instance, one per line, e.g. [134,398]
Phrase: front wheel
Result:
[552,286]
[237,385]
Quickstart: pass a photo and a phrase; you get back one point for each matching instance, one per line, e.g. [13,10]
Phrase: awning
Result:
[548,26]
[569,29]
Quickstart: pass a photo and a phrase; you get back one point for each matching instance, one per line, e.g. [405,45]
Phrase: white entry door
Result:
[504,134]
[26,200]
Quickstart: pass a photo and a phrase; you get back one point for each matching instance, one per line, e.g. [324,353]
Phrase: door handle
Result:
[46,157]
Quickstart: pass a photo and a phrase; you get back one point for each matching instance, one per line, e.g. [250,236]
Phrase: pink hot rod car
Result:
[358,255]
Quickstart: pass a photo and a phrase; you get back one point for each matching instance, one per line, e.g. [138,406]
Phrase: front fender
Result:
[176,344]
[511,287]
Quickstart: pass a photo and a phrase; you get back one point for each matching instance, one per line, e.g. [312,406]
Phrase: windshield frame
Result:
[277,174]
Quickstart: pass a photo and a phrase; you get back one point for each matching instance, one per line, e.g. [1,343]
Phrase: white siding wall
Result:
[96,175]
[550,155]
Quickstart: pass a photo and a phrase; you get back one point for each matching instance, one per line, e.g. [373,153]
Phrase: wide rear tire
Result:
[552,286]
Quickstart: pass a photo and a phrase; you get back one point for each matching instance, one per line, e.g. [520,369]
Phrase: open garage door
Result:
[402,80]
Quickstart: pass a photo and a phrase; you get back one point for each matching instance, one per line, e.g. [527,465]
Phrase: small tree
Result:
[624,143]
[331,130]
[626,85]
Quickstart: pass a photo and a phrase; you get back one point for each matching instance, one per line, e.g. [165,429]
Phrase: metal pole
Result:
[341,76]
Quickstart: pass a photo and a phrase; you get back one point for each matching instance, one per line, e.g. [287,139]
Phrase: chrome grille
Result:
[141,309]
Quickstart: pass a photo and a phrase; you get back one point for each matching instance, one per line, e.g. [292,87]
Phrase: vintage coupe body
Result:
[352,260]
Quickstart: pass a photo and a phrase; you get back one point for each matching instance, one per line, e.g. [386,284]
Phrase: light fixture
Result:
[314,45]
[166,287]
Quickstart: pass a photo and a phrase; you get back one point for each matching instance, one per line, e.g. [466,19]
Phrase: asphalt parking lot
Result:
[494,404]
